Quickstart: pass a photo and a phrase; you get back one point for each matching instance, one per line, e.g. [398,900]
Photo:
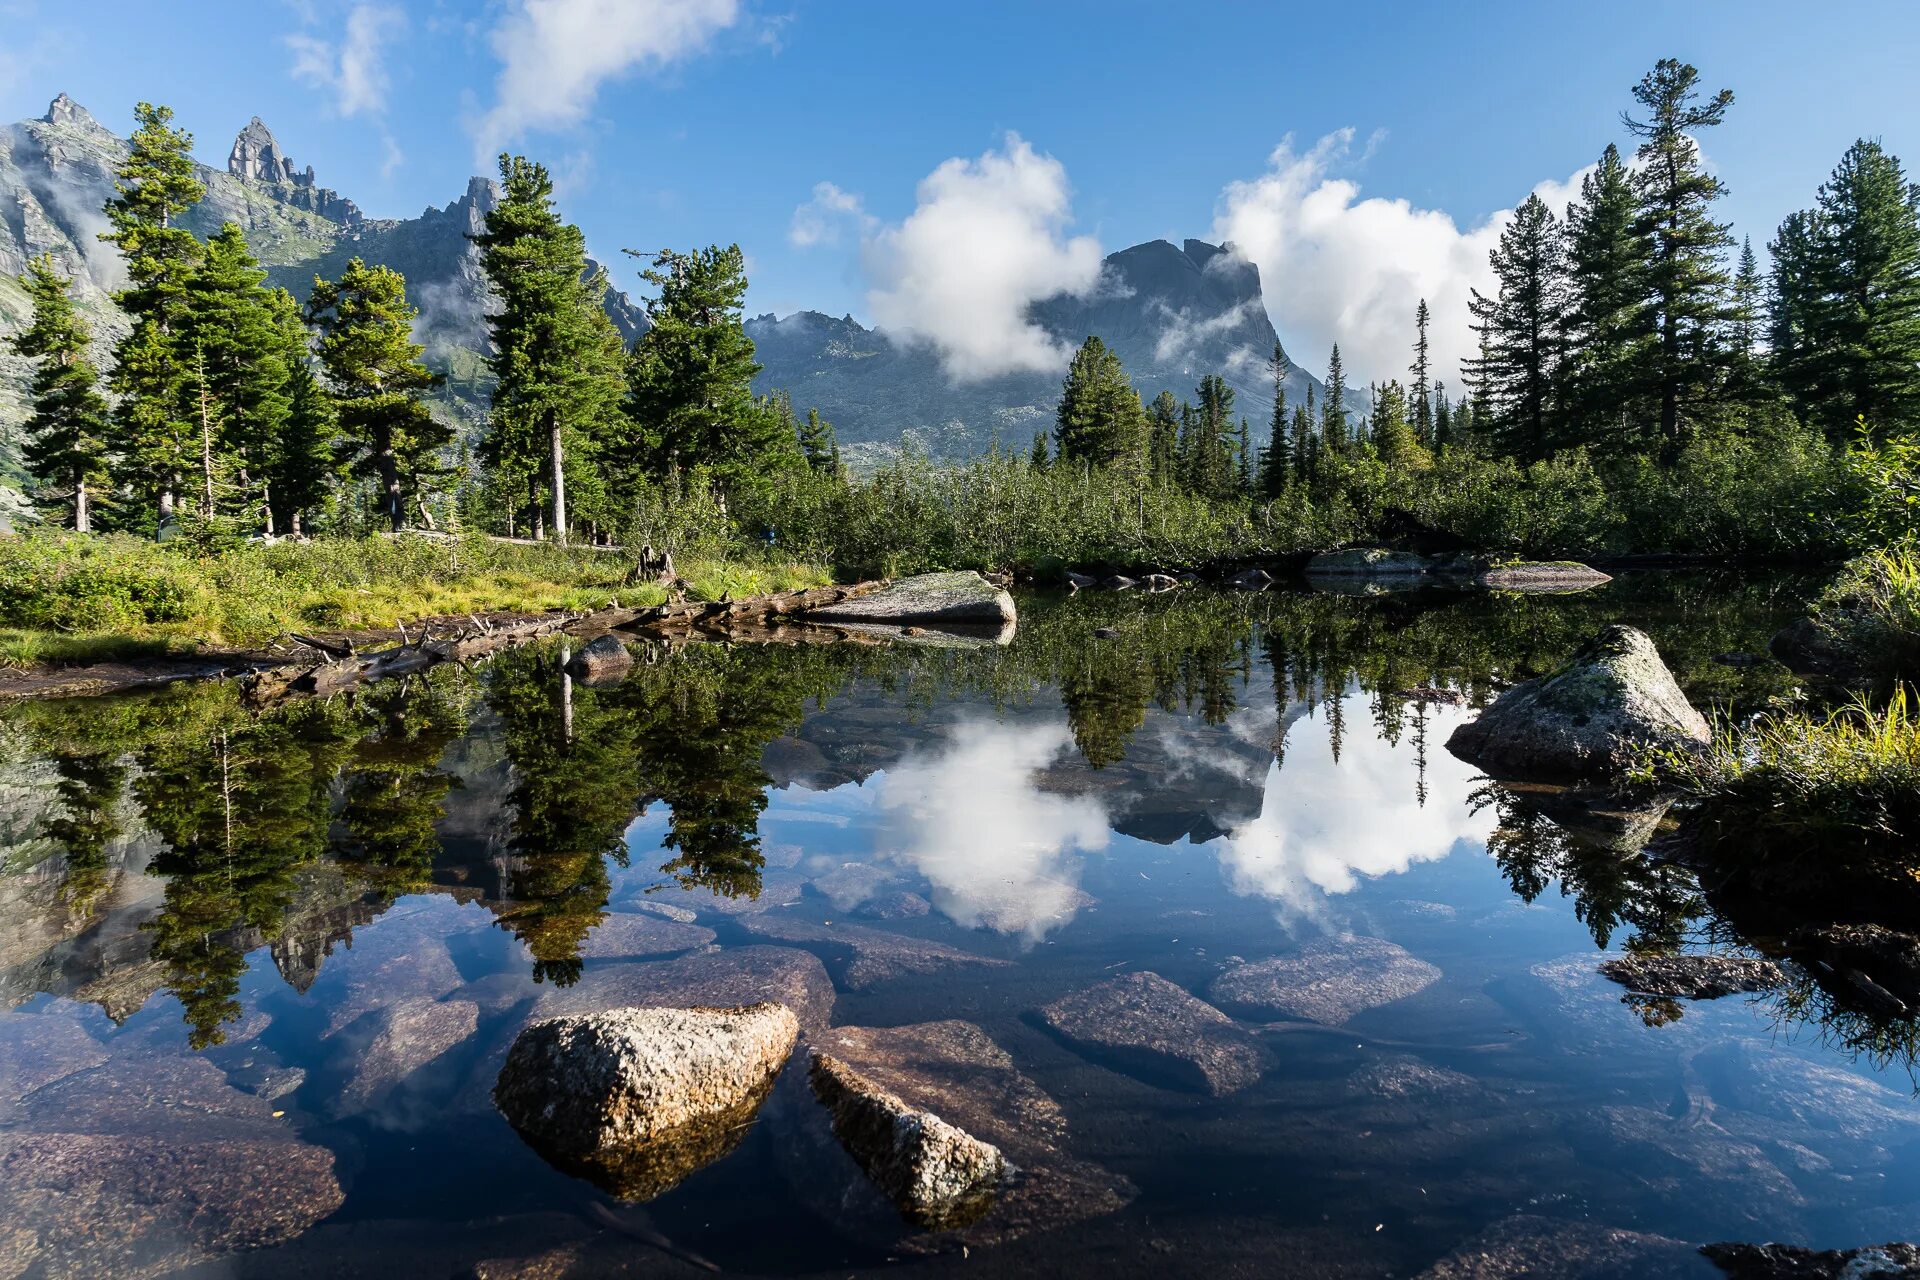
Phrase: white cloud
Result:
[987,238]
[353,68]
[996,850]
[555,55]
[1338,268]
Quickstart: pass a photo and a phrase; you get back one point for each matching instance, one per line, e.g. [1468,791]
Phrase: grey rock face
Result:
[1613,699]
[639,1098]
[931,597]
[1151,1025]
[1369,562]
[937,1174]
[603,659]
[1692,977]
[1328,981]
[1796,1262]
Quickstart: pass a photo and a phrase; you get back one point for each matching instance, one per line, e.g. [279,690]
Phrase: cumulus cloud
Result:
[353,68]
[1339,268]
[996,851]
[987,238]
[555,54]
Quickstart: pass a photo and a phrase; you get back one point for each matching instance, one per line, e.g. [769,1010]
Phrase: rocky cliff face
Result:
[1173,313]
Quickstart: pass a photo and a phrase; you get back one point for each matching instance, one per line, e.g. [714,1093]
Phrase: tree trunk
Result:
[426,516]
[82,516]
[206,456]
[559,479]
[390,480]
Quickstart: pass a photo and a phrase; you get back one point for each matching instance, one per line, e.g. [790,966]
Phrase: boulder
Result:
[637,1099]
[393,1043]
[936,1174]
[1796,1262]
[1252,579]
[868,956]
[1613,700]
[1080,581]
[1369,562]
[1148,1025]
[897,905]
[932,597]
[603,658]
[623,936]
[1160,582]
[1877,965]
[1545,577]
[1526,1247]
[1692,977]
[1328,981]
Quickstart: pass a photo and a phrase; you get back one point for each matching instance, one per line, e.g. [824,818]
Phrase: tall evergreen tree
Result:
[1100,420]
[1163,438]
[1037,457]
[1333,410]
[1209,446]
[1685,297]
[66,430]
[372,367]
[1420,394]
[1276,464]
[1392,432]
[1607,256]
[556,358]
[1442,418]
[1306,442]
[818,444]
[152,372]
[1520,330]
[233,325]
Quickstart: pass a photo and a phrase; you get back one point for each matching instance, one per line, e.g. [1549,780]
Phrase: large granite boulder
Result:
[1328,981]
[1594,716]
[932,597]
[937,1174]
[637,1099]
[1147,1025]
[603,661]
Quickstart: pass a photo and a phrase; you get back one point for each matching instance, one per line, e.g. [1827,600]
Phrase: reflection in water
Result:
[996,849]
[1326,820]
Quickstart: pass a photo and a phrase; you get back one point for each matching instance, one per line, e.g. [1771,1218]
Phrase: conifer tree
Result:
[1420,394]
[152,372]
[1163,438]
[301,472]
[66,430]
[556,358]
[1243,459]
[1333,411]
[818,445]
[1442,418]
[1100,420]
[373,370]
[1607,256]
[689,377]
[1686,285]
[1037,455]
[1276,464]
[1392,432]
[1209,448]
[1306,442]
[233,324]
[1520,330]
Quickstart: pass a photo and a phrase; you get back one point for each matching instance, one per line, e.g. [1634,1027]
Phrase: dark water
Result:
[261,965]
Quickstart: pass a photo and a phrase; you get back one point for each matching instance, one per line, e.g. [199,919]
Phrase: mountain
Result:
[1173,313]
[56,175]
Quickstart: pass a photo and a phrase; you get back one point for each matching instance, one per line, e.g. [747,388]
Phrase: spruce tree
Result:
[1607,256]
[818,445]
[1163,438]
[1421,393]
[1685,297]
[234,326]
[66,430]
[1276,464]
[1442,418]
[556,357]
[1792,300]
[152,372]
[689,377]
[1210,444]
[373,370]
[1306,442]
[1392,432]
[1520,330]
[1333,411]
[1037,456]
[1100,420]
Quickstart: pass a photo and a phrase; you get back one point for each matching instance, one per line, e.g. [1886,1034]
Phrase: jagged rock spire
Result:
[257,155]
[64,110]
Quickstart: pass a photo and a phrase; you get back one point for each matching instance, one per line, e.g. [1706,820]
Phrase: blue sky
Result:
[675,122]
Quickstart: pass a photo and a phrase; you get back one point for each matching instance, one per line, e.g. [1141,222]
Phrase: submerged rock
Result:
[637,1099]
[1879,967]
[874,955]
[1615,698]
[1795,1262]
[932,597]
[1692,977]
[1151,1026]
[1532,1248]
[629,935]
[937,1174]
[1542,577]
[1370,562]
[898,905]
[1328,981]
[394,1043]
[603,659]
[721,979]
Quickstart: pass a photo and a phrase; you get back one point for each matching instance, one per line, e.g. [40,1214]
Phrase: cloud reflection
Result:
[995,849]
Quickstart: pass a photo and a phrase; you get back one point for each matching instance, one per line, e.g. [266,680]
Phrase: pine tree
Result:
[1442,418]
[689,378]
[65,448]
[1333,411]
[1746,381]
[1276,463]
[373,370]
[1243,459]
[301,473]
[1209,446]
[1520,330]
[1037,456]
[1100,420]
[1607,255]
[1163,438]
[1306,443]
[234,327]
[556,359]
[1421,393]
[1393,435]
[818,445]
[1686,285]
[152,372]
[1793,297]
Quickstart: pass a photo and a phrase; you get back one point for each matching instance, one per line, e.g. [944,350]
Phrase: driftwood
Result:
[277,683]
[682,614]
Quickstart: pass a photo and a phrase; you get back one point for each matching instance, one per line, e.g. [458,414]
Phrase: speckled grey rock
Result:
[393,1043]
[587,1085]
[1692,977]
[897,905]
[1533,1248]
[931,597]
[1615,698]
[873,955]
[1369,562]
[628,935]
[1149,1025]
[1327,981]
[1796,1262]
[1542,577]
[937,1174]
[603,660]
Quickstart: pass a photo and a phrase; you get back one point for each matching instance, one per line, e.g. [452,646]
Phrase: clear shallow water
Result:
[262,963]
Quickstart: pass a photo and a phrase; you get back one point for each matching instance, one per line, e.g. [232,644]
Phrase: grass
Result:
[1873,608]
[68,598]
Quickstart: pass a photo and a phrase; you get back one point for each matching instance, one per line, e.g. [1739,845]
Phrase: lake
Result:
[260,965]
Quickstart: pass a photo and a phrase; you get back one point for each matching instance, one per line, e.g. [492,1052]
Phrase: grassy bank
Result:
[71,598]
[1873,610]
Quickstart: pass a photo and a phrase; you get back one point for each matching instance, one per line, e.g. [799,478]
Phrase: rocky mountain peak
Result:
[257,156]
[64,110]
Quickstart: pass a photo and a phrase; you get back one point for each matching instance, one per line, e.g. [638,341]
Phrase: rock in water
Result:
[604,658]
[637,1099]
[1693,977]
[1326,982]
[932,597]
[1149,1024]
[1542,577]
[1795,1262]
[1369,562]
[1615,698]
[938,1175]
